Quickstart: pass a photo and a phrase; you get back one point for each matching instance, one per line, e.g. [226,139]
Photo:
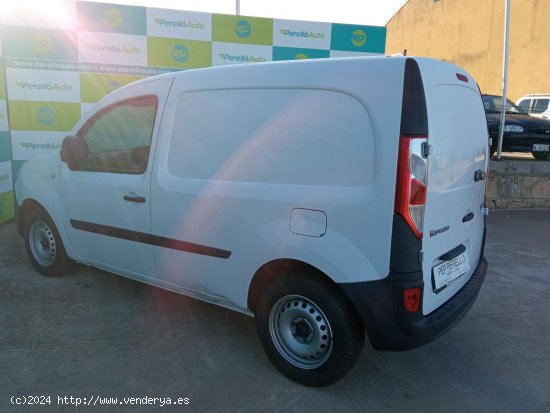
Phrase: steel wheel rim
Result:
[300,332]
[42,243]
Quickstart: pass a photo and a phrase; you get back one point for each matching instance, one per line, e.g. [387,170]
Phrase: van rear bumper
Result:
[390,327]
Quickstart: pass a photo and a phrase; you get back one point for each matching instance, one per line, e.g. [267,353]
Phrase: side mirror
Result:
[73,150]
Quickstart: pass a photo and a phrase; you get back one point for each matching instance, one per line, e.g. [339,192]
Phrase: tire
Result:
[308,329]
[44,245]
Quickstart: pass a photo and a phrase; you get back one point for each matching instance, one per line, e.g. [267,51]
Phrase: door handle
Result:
[134,198]
[455,252]
[479,175]
[468,217]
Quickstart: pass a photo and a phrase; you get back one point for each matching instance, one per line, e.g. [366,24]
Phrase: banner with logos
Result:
[6,180]
[57,64]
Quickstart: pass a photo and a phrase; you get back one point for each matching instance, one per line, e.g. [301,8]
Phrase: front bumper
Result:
[390,327]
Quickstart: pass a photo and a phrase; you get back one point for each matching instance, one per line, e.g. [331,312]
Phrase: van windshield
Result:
[493,104]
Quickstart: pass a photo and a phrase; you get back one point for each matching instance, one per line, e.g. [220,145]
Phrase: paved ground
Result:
[95,334]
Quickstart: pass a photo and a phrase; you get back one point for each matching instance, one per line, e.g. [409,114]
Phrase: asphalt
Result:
[93,335]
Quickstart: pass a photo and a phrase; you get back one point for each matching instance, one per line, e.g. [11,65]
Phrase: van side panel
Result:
[273,136]
[247,146]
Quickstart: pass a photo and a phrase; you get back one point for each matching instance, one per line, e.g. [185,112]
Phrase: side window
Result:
[524,104]
[540,105]
[119,136]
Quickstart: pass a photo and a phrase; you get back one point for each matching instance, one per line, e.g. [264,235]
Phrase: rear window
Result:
[278,136]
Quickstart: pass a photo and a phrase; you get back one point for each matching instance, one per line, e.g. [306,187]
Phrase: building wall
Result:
[470,33]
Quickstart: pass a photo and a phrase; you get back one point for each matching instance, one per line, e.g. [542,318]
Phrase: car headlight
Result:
[513,128]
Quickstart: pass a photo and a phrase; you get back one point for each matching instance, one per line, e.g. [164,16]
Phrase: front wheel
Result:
[541,156]
[308,329]
[44,246]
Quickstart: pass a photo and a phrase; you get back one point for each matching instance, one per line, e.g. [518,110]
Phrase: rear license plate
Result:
[448,271]
[541,147]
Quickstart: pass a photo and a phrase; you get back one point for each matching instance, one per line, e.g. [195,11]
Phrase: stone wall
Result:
[518,184]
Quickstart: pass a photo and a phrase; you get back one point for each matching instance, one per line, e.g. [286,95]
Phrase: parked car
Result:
[522,132]
[323,197]
[537,105]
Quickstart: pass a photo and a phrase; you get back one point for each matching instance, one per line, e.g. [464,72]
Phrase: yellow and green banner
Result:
[240,29]
[6,205]
[111,18]
[52,70]
[178,53]
[293,53]
[43,116]
[93,86]
[39,43]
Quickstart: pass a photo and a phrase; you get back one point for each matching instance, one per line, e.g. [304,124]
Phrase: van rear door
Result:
[454,224]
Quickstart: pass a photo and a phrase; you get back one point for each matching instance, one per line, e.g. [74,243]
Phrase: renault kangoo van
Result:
[326,198]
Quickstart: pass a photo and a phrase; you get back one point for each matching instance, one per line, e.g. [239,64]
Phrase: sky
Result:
[366,12]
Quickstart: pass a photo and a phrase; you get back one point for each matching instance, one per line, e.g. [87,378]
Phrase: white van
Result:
[325,198]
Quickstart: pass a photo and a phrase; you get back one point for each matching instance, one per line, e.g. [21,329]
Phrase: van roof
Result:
[238,66]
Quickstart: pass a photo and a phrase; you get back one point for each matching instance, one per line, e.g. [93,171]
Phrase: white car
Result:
[536,105]
[325,198]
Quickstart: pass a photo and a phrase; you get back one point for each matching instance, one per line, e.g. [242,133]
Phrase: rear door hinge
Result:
[421,257]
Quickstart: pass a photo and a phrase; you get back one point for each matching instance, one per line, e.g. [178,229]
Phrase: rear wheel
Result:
[44,246]
[308,329]
[541,156]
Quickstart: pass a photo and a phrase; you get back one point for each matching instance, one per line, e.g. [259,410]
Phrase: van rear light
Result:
[412,182]
[462,77]
[411,299]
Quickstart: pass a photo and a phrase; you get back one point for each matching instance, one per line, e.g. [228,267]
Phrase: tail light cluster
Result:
[412,182]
